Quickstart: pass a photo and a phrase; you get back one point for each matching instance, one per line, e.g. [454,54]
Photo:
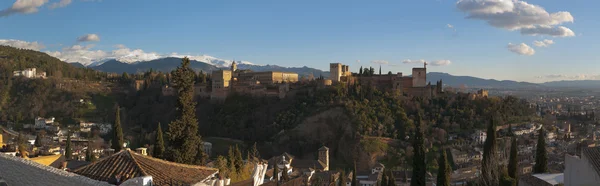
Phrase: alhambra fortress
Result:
[281,84]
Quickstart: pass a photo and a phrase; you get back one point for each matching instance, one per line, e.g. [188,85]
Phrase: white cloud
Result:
[60,4]
[381,62]
[516,15]
[543,43]
[408,61]
[560,31]
[23,7]
[444,62]
[88,37]
[522,49]
[450,26]
[22,44]
[441,62]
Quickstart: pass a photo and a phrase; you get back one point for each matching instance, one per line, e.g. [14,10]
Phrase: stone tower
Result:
[324,157]
[233,66]
[419,76]
[335,72]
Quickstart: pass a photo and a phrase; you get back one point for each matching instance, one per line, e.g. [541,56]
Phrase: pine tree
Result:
[354,181]
[117,140]
[68,149]
[489,166]
[182,134]
[541,156]
[512,162]
[443,177]
[254,154]
[419,166]
[38,141]
[159,144]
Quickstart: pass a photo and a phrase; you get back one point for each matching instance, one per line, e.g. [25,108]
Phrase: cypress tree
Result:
[360,71]
[353,183]
[159,144]
[391,179]
[541,156]
[117,140]
[489,166]
[38,141]
[443,177]
[379,69]
[284,174]
[68,149]
[182,134]
[254,154]
[231,161]
[419,166]
[512,162]
[239,162]
[201,156]
[384,180]
[342,179]
[276,173]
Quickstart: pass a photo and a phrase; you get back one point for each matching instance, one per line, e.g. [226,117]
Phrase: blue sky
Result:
[316,33]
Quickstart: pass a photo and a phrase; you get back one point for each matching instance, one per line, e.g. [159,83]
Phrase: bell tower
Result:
[324,157]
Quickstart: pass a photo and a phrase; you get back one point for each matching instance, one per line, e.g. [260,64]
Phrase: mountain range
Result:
[208,64]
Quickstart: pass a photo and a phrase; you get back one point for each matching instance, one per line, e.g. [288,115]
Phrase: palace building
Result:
[415,85]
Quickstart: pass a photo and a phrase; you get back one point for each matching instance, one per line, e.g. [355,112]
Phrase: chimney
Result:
[109,152]
[141,151]
[63,165]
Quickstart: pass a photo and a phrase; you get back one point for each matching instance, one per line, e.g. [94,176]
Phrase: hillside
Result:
[474,82]
[12,59]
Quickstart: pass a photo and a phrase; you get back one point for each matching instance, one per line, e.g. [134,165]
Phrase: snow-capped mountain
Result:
[202,58]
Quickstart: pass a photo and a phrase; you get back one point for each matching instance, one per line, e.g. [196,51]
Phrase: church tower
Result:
[324,157]
[233,66]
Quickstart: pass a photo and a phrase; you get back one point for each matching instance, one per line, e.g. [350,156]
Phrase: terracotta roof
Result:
[299,181]
[248,182]
[305,164]
[133,165]
[593,156]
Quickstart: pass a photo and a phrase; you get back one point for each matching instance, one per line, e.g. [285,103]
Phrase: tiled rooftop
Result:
[18,171]
[132,165]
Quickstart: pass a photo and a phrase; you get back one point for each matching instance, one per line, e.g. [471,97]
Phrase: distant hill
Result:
[474,82]
[78,65]
[171,63]
[573,84]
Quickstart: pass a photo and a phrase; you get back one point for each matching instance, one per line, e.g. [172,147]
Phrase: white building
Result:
[104,128]
[479,136]
[40,123]
[583,170]
[29,73]
[207,148]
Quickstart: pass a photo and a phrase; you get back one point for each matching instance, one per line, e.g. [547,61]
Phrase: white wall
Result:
[579,172]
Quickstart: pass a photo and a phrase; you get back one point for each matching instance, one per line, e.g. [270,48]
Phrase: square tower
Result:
[419,77]
[335,72]
[324,157]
